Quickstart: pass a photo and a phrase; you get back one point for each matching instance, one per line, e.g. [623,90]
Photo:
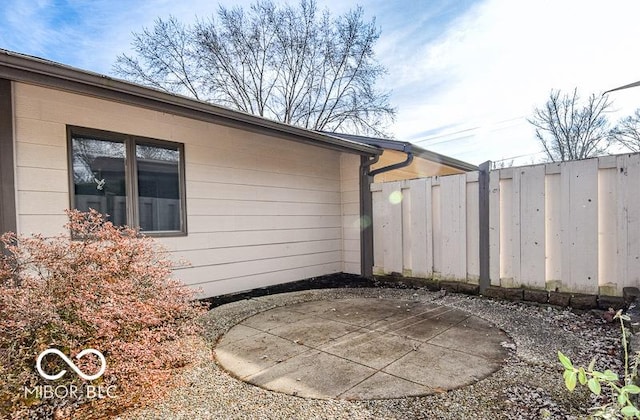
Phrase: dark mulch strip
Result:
[331,281]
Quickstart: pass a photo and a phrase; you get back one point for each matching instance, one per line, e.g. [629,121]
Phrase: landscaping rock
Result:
[415,282]
[634,343]
[515,294]
[630,294]
[450,286]
[559,298]
[529,386]
[583,301]
[539,296]
[431,284]
[633,312]
[407,281]
[494,292]
[468,288]
[615,302]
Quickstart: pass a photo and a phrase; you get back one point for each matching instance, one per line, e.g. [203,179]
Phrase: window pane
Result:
[159,203]
[99,177]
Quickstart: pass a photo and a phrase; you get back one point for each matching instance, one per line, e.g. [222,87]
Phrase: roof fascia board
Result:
[406,147]
[401,146]
[42,72]
[444,160]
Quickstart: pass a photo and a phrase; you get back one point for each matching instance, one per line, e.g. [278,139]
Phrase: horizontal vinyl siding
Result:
[43,179]
[350,197]
[221,256]
[246,282]
[254,177]
[41,168]
[260,210]
[243,268]
[200,206]
[218,190]
[38,202]
[217,240]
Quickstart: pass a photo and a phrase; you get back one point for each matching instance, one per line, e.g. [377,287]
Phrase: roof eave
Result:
[406,147]
[444,160]
[21,68]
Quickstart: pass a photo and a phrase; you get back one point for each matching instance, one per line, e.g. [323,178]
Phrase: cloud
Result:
[89,35]
[28,25]
[501,58]
[464,75]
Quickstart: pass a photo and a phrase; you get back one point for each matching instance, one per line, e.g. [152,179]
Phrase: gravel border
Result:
[529,386]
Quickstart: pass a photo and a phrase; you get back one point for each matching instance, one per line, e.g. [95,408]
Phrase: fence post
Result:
[8,218]
[366,218]
[483,222]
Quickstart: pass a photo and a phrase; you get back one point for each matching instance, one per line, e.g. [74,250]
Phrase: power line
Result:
[446,135]
[465,131]
[519,156]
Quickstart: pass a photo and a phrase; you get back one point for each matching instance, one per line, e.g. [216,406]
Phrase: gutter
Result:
[38,71]
[444,160]
[398,165]
[366,207]
[406,147]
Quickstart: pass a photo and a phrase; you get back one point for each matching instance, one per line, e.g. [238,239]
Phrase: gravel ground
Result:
[529,386]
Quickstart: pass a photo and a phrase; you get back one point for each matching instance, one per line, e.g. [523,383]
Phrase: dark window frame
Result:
[131,173]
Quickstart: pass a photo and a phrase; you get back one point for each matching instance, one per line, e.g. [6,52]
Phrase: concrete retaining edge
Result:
[578,301]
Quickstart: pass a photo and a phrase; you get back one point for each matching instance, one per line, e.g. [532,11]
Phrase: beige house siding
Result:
[260,210]
[350,174]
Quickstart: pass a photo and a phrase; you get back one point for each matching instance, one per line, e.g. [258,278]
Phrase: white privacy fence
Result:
[572,226]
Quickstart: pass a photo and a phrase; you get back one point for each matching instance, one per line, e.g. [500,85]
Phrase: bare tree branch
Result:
[568,131]
[288,63]
[627,132]
[165,59]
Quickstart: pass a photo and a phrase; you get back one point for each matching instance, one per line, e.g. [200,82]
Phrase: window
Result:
[146,191]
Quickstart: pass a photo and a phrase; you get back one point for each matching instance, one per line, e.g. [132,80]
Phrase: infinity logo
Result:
[59,375]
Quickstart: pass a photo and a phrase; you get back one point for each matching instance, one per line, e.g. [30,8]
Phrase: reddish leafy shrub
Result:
[109,289]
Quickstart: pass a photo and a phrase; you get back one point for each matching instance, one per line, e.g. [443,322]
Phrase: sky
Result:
[464,75]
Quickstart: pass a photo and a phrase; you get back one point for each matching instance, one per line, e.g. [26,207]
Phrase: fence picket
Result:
[579,218]
[453,214]
[532,227]
[378,223]
[628,273]
[607,224]
[420,217]
[553,231]
[571,226]
[506,232]
[472,234]
[436,229]
[392,227]
[494,227]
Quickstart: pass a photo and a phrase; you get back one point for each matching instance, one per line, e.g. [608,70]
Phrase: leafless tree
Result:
[627,132]
[166,59]
[293,64]
[502,164]
[569,130]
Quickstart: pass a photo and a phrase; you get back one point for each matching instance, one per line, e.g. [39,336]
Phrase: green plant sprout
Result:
[623,404]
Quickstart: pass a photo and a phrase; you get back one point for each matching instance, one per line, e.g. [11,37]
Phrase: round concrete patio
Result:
[362,348]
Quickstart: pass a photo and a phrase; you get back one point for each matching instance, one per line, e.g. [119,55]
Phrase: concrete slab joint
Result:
[362,348]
